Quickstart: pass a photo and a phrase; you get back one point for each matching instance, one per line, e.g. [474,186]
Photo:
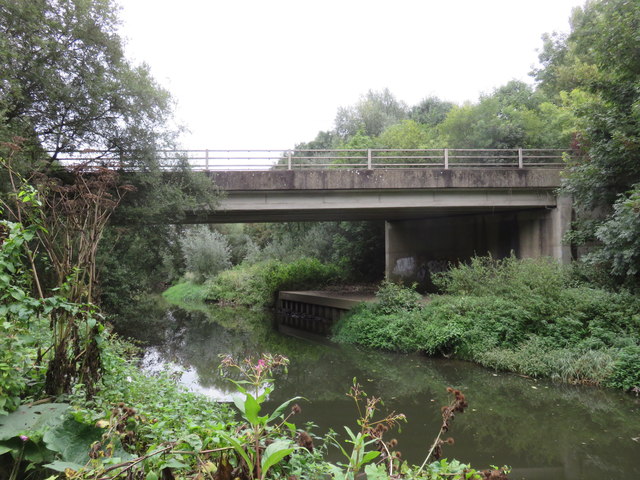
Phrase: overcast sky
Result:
[271,73]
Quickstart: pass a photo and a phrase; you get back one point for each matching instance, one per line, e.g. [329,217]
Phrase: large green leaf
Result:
[274,453]
[238,400]
[60,466]
[32,420]
[251,410]
[72,440]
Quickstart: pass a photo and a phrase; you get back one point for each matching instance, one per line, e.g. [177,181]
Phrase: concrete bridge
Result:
[438,205]
[432,216]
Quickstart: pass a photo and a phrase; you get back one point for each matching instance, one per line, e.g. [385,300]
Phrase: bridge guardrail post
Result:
[369,163]
[289,160]
[206,160]
[446,158]
[520,159]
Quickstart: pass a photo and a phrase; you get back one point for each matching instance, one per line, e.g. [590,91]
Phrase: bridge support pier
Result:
[415,249]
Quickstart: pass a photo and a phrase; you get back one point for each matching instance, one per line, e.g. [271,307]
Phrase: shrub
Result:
[396,298]
[509,277]
[364,325]
[626,369]
[257,285]
[524,316]
[206,252]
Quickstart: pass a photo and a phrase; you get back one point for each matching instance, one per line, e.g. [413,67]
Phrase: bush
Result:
[626,369]
[206,252]
[257,285]
[395,298]
[524,316]
[397,332]
[509,277]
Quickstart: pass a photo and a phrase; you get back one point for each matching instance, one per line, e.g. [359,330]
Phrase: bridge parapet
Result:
[388,179]
[371,158]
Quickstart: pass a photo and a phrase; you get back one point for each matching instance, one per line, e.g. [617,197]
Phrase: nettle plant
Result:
[264,440]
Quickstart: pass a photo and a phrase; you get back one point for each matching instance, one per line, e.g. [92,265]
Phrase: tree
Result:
[619,235]
[206,252]
[407,134]
[66,83]
[371,115]
[511,117]
[431,111]
[600,61]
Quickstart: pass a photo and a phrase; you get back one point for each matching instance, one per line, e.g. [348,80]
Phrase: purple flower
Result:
[24,438]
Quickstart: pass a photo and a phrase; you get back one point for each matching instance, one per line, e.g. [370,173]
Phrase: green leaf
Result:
[28,420]
[251,410]
[60,466]
[18,294]
[369,456]
[72,440]
[274,453]
[291,426]
[238,400]
[239,448]
[175,463]
[278,411]
[375,472]
[351,435]
[194,441]
[151,476]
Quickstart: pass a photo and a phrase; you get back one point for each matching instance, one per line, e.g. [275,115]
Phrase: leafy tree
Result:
[66,85]
[206,252]
[511,117]
[371,115]
[619,235]
[324,140]
[66,82]
[431,111]
[407,134]
[600,61]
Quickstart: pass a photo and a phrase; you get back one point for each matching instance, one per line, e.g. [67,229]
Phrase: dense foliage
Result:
[72,399]
[526,316]
[68,86]
[595,70]
[257,285]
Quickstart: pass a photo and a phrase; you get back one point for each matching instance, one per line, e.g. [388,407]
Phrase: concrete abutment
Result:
[417,248]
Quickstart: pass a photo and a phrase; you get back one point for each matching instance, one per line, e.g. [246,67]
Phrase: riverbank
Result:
[525,316]
[541,429]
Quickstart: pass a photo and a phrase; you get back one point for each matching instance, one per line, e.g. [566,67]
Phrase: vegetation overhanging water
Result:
[542,429]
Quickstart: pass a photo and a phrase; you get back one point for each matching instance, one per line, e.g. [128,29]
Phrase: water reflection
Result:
[542,429]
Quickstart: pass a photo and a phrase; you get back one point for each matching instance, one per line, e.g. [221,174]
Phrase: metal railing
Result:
[372,158]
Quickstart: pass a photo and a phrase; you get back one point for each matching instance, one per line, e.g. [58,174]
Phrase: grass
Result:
[185,292]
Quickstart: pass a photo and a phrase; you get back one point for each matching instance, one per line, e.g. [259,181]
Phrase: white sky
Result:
[267,74]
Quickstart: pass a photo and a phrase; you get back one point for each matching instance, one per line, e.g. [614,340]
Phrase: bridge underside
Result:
[336,205]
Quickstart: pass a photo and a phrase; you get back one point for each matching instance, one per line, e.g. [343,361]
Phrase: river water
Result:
[541,429]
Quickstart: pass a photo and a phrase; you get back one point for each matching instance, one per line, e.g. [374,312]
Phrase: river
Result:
[541,429]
